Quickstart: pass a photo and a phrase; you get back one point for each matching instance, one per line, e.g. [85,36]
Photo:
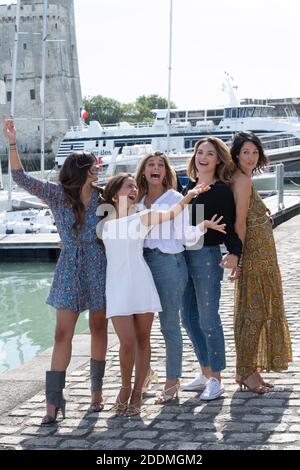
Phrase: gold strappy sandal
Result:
[121,407]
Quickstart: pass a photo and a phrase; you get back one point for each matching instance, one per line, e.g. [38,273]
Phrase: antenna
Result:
[170,72]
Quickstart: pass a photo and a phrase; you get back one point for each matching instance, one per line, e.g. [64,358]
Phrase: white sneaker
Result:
[213,389]
[198,383]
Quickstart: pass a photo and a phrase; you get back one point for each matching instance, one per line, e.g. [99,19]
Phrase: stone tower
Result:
[62,88]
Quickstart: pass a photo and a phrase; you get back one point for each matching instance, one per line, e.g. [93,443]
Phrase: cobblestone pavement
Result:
[238,420]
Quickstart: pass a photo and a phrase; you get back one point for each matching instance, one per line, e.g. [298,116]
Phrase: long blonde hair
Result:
[224,169]
[169,181]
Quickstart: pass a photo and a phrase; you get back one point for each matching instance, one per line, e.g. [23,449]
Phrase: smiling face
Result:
[248,158]
[155,171]
[206,158]
[128,192]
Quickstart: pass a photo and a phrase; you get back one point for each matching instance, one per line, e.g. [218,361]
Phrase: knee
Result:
[171,331]
[143,342]
[63,335]
[127,347]
[98,327]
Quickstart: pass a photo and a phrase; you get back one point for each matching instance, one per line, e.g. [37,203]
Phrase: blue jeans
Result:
[200,312]
[169,272]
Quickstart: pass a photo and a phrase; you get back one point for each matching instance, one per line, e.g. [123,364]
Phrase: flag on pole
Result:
[83,114]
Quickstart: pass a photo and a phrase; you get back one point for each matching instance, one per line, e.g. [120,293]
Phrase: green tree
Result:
[144,104]
[109,111]
[102,109]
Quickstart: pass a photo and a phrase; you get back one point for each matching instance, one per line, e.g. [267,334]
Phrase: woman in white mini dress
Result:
[131,294]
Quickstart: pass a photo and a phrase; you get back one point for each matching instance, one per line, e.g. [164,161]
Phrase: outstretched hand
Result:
[200,188]
[9,129]
[214,224]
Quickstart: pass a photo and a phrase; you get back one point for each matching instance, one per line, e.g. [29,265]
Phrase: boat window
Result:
[257,112]
[234,113]
[97,143]
[249,112]
[196,114]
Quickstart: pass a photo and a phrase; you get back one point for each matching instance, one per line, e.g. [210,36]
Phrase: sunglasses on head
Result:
[81,161]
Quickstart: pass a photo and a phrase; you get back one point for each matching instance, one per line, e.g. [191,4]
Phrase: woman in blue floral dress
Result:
[79,279]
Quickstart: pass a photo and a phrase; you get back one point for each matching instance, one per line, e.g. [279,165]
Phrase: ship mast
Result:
[169,78]
[42,87]
[13,90]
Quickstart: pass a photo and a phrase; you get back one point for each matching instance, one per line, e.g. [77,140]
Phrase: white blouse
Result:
[172,236]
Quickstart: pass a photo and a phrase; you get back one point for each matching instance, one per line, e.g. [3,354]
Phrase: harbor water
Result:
[27,324]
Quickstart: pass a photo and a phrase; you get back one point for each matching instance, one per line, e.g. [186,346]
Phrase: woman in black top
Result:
[211,164]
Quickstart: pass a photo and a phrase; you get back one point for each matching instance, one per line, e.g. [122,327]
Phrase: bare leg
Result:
[98,329]
[124,327]
[142,325]
[61,355]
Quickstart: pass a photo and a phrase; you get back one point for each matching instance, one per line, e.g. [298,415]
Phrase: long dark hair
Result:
[239,140]
[224,168]
[72,176]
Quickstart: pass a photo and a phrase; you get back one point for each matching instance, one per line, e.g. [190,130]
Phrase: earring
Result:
[114,199]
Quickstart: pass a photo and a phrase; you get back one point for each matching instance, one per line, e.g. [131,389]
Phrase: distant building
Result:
[62,89]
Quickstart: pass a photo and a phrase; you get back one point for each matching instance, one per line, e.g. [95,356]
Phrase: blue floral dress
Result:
[79,278]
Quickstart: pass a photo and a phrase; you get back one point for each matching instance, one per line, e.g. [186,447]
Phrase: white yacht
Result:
[279,130]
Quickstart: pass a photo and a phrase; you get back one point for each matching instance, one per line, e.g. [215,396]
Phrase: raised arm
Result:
[158,217]
[10,132]
[42,189]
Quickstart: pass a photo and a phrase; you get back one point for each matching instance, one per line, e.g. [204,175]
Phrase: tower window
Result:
[32,94]
[8,95]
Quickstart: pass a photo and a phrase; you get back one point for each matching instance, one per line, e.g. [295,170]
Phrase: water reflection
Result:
[26,322]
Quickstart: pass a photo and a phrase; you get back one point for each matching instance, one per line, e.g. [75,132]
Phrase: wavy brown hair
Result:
[73,176]
[224,168]
[169,181]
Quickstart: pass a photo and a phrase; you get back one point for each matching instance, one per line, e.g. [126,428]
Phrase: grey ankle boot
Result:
[55,383]
[97,369]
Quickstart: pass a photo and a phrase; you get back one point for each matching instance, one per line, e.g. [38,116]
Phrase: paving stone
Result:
[238,420]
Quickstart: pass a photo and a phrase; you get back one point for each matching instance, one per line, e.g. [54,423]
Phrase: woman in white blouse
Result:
[163,251]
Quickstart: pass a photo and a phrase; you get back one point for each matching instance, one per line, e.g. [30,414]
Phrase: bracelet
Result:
[13,145]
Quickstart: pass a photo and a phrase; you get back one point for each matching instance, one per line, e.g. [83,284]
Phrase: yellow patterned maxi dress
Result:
[261,331]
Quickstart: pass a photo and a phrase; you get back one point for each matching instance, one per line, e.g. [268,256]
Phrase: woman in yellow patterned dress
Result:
[262,337]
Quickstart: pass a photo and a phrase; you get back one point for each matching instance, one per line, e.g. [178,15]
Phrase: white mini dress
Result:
[130,287]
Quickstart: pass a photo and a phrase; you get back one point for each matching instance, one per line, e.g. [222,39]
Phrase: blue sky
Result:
[123,48]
